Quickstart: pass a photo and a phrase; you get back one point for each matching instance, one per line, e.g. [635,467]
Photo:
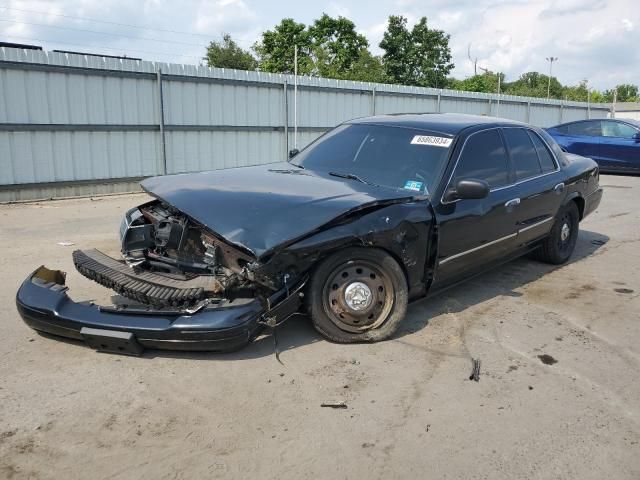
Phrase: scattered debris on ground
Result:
[334,405]
[475,372]
[547,359]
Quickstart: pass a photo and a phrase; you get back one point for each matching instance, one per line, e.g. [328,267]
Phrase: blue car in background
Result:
[613,143]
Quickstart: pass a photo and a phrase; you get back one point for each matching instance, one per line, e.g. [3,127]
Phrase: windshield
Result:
[394,157]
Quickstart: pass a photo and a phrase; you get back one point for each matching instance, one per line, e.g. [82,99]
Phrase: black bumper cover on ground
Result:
[44,306]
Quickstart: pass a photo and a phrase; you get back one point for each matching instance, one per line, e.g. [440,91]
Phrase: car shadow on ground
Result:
[501,281]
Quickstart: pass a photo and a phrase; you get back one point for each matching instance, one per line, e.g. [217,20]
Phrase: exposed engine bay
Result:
[170,261]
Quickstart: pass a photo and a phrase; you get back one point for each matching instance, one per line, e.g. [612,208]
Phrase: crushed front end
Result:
[183,287]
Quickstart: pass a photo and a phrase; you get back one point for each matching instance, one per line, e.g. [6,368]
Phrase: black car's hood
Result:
[260,208]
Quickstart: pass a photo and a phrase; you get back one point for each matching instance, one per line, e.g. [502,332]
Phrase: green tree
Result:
[228,54]
[534,84]
[486,83]
[581,93]
[418,57]
[336,45]
[276,49]
[576,93]
[626,93]
[367,68]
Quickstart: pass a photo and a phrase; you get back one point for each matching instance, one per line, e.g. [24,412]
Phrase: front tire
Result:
[559,245]
[357,295]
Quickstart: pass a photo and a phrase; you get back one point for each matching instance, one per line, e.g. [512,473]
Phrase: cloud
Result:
[571,7]
[223,16]
[594,39]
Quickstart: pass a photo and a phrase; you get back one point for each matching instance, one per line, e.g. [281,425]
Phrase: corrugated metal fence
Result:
[74,124]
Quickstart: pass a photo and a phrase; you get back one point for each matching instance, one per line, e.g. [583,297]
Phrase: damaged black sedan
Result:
[375,213]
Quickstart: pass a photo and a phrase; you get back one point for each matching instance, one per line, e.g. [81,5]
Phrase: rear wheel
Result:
[559,245]
[358,295]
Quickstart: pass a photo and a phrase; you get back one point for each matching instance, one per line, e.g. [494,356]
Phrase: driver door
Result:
[476,233]
[619,148]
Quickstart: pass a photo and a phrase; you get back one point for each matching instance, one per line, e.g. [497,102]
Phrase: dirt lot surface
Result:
[558,396]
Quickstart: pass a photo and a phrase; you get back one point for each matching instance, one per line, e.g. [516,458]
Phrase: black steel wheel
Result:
[357,295]
[559,245]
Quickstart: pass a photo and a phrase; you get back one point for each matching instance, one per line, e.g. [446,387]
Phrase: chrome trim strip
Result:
[537,224]
[475,249]
[549,149]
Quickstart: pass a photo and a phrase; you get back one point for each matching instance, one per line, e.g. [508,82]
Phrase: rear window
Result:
[544,155]
[523,153]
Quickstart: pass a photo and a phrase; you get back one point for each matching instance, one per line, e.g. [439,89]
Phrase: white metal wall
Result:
[68,119]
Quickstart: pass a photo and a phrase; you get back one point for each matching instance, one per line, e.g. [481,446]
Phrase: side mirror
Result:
[636,137]
[293,152]
[470,189]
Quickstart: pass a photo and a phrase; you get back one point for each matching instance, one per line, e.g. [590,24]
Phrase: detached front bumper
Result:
[44,306]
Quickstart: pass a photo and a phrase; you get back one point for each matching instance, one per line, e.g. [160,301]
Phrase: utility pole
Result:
[472,60]
[550,60]
[295,96]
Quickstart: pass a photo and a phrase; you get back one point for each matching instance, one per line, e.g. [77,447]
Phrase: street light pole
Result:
[550,60]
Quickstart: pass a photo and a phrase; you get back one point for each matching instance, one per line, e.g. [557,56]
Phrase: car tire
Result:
[559,245]
[357,295]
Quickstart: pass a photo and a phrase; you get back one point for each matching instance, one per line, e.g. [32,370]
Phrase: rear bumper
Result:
[44,305]
[592,201]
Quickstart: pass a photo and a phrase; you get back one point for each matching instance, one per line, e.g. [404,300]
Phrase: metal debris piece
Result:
[334,405]
[475,372]
[623,290]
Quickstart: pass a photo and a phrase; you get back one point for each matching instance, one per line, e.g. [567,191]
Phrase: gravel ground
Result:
[558,395]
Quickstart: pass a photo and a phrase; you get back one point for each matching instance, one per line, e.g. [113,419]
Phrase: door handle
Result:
[559,188]
[512,203]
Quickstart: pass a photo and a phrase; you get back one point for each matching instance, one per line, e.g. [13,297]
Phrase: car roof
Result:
[446,123]
[630,121]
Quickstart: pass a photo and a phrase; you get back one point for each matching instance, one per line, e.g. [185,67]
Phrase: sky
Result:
[597,40]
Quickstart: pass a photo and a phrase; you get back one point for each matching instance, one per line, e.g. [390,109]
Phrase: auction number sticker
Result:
[430,140]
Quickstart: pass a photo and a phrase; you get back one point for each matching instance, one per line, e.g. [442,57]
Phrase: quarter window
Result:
[484,158]
[546,160]
[523,153]
[617,129]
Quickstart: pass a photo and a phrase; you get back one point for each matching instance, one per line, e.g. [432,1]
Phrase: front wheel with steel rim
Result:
[559,245]
[357,295]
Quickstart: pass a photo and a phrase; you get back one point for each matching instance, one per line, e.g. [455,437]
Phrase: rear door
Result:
[619,149]
[538,183]
[475,233]
[581,138]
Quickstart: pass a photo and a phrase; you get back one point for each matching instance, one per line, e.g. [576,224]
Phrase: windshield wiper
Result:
[352,176]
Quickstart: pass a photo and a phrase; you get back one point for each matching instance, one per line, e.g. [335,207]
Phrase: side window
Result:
[589,129]
[617,129]
[484,158]
[523,153]
[544,156]
[563,129]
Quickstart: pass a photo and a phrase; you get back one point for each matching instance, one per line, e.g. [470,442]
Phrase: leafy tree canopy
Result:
[276,49]
[420,56]
[228,54]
